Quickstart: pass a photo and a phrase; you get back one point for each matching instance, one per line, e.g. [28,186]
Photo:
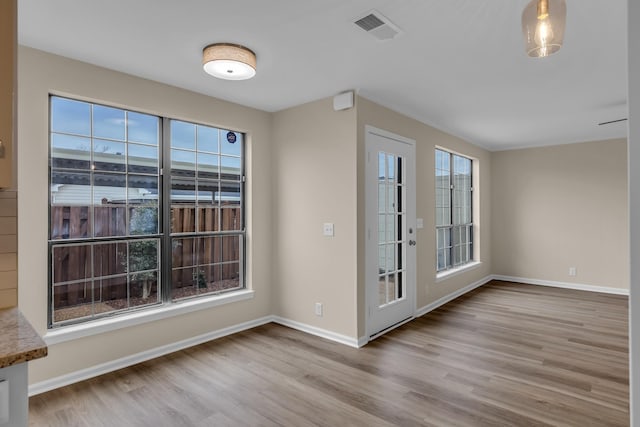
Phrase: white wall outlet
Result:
[4,401]
[572,271]
[327,229]
[319,309]
[419,223]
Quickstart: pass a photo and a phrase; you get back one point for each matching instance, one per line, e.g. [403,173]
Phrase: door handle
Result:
[412,242]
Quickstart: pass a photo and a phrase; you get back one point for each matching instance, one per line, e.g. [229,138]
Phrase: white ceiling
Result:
[459,65]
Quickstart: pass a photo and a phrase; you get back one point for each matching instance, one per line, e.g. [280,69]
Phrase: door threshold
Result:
[390,328]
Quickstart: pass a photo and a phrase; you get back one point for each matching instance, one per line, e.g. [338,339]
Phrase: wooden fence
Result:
[196,261]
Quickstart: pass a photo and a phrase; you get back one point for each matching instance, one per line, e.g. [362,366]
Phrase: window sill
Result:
[73,332]
[447,274]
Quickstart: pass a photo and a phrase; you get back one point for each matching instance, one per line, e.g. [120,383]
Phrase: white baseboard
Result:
[84,374]
[319,332]
[94,371]
[445,299]
[565,285]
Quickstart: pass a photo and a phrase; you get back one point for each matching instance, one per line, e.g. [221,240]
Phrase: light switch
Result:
[4,401]
[327,229]
[419,223]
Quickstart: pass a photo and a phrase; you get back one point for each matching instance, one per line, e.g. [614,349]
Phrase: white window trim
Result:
[108,324]
[447,274]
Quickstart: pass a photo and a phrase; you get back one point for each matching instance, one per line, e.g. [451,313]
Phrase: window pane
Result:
[391,198]
[183,205]
[207,139]
[183,163]
[108,122]
[70,203]
[230,248]
[230,168]
[109,155]
[391,227]
[109,295]
[109,259]
[143,289]
[183,135]
[391,173]
[68,116]
[71,263]
[382,259]
[142,128]
[144,219]
[382,290]
[442,261]
[110,208]
[230,202]
[208,166]
[70,152]
[208,218]
[382,197]
[208,192]
[72,301]
[143,255]
[142,158]
[231,143]
[382,165]
[391,259]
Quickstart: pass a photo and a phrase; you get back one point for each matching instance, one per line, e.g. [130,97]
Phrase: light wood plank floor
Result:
[506,354]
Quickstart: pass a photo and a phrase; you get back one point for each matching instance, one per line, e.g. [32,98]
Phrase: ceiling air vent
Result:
[378,26]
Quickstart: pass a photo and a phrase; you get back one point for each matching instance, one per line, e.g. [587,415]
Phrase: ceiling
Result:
[458,65]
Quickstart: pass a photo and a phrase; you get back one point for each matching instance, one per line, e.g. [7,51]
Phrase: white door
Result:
[390,252]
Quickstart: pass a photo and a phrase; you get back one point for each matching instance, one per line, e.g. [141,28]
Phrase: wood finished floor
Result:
[505,354]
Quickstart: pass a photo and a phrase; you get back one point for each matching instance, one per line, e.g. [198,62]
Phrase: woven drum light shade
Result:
[229,61]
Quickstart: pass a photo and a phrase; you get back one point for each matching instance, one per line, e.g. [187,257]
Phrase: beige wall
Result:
[427,138]
[41,74]
[314,182]
[559,207]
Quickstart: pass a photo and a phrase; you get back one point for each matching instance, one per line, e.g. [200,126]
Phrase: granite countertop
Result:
[19,342]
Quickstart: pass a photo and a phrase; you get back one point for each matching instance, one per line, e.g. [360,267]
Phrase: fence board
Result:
[74,262]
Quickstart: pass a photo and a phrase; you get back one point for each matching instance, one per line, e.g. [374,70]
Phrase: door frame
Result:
[371,256]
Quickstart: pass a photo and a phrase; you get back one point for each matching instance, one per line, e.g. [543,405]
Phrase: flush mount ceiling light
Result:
[229,61]
[543,23]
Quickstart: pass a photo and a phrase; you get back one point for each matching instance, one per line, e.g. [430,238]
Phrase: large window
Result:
[454,215]
[123,235]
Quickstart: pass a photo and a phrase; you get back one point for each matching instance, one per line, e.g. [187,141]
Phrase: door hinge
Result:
[244,178]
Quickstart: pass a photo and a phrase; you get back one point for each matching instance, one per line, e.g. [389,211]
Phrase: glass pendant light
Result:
[543,23]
